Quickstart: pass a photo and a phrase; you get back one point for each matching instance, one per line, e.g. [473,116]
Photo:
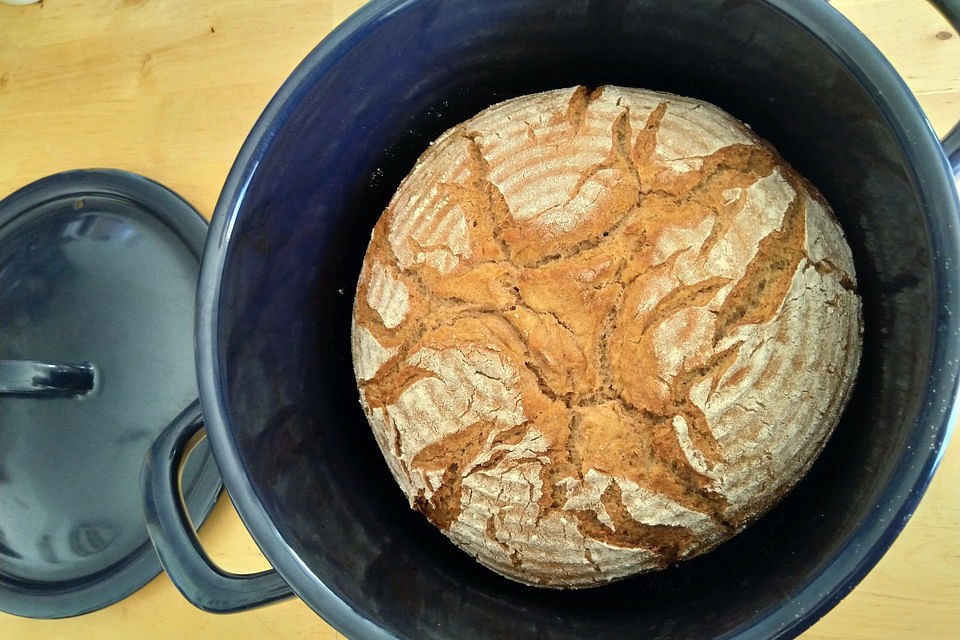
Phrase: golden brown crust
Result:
[596,333]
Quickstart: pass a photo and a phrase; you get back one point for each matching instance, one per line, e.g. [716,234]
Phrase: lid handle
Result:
[31,377]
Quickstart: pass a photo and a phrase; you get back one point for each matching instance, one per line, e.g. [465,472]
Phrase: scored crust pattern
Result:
[599,332]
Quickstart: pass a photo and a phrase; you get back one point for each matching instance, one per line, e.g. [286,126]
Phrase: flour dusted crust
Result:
[599,332]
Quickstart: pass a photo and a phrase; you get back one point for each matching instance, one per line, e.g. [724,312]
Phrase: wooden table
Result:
[170,90]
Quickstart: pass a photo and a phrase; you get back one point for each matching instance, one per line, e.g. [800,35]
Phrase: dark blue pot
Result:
[286,245]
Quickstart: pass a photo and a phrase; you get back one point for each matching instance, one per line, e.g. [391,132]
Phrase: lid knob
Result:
[45,378]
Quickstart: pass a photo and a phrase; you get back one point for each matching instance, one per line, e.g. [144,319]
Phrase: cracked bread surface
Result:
[596,333]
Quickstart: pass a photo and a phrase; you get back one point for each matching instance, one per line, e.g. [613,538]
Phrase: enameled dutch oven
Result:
[285,246]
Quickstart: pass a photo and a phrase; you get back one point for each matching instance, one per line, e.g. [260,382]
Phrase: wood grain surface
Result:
[171,89]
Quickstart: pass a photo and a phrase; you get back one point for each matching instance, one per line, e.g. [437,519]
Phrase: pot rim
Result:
[900,497]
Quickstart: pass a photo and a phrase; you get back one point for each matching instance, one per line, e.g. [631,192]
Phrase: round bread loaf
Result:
[599,332]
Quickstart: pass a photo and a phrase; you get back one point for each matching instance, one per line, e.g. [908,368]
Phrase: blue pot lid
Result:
[98,276]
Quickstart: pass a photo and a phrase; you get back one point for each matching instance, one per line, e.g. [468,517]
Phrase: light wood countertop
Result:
[171,89]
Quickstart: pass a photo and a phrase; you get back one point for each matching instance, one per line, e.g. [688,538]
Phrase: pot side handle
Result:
[950,9]
[951,147]
[204,584]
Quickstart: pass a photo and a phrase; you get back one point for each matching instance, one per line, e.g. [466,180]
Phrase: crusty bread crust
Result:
[597,333]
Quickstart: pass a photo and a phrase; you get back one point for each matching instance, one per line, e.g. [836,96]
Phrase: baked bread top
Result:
[599,332]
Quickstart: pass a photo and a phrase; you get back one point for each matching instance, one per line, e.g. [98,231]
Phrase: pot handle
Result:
[951,147]
[950,9]
[204,584]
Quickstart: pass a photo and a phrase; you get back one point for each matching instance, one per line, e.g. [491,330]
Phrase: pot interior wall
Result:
[323,181]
